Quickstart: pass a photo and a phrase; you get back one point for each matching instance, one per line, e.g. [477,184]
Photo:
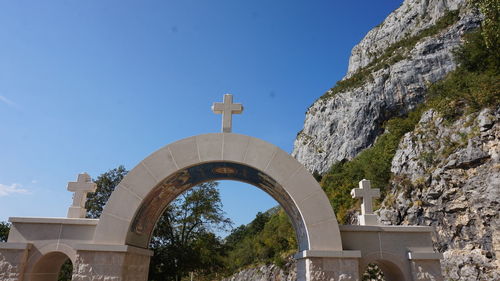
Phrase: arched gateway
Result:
[114,247]
[139,200]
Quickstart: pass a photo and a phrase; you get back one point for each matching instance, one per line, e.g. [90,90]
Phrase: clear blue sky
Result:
[89,85]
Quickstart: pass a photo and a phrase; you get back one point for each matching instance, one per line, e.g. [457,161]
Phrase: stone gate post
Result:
[111,262]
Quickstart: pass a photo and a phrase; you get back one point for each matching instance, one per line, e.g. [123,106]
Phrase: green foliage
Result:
[373,273]
[183,241]
[268,238]
[475,84]
[490,25]
[373,163]
[66,271]
[106,184]
[4,231]
[391,55]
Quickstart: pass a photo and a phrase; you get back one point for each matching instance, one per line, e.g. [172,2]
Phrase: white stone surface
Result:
[227,109]
[366,193]
[81,187]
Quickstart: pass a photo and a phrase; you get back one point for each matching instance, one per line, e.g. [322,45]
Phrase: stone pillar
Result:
[328,265]
[111,262]
[425,266]
[13,257]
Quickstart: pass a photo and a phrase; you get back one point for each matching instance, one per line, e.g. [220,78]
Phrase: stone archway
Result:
[138,201]
[134,207]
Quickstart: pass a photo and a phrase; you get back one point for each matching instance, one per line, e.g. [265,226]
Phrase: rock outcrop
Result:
[266,273]
[339,125]
[412,17]
[448,176]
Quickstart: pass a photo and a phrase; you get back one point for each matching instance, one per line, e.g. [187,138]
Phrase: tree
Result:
[183,239]
[4,231]
[106,184]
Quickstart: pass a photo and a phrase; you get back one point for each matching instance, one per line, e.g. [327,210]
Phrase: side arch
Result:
[45,263]
[393,266]
[138,201]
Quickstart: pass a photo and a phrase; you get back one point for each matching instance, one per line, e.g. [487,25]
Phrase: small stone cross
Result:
[81,187]
[227,109]
[366,193]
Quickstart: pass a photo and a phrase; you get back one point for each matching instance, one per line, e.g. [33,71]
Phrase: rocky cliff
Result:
[388,73]
[267,273]
[448,176]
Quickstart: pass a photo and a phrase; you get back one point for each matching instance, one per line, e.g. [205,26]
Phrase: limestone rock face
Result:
[339,126]
[412,17]
[266,273]
[448,176]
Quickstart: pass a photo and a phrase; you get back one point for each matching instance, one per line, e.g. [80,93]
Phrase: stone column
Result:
[425,266]
[13,257]
[328,265]
[111,262]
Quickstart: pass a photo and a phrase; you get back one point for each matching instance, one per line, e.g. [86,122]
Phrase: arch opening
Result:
[382,270]
[154,204]
[189,242]
[52,266]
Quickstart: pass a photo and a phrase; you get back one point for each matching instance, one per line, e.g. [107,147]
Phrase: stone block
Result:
[282,166]
[110,265]
[185,152]
[259,153]
[13,258]
[161,163]
[235,147]
[301,185]
[139,180]
[210,147]
[331,269]
[317,208]
[125,202]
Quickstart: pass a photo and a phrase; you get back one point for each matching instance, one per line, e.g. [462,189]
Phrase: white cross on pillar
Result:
[81,187]
[227,109]
[366,193]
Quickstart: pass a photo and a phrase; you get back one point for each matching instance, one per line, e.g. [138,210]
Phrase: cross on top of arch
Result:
[227,109]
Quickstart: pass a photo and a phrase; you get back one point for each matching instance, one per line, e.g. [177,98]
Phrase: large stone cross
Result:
[366,193]
[227,109]
[81,187]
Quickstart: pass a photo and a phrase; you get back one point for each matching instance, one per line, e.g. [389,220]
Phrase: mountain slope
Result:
[389,72]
